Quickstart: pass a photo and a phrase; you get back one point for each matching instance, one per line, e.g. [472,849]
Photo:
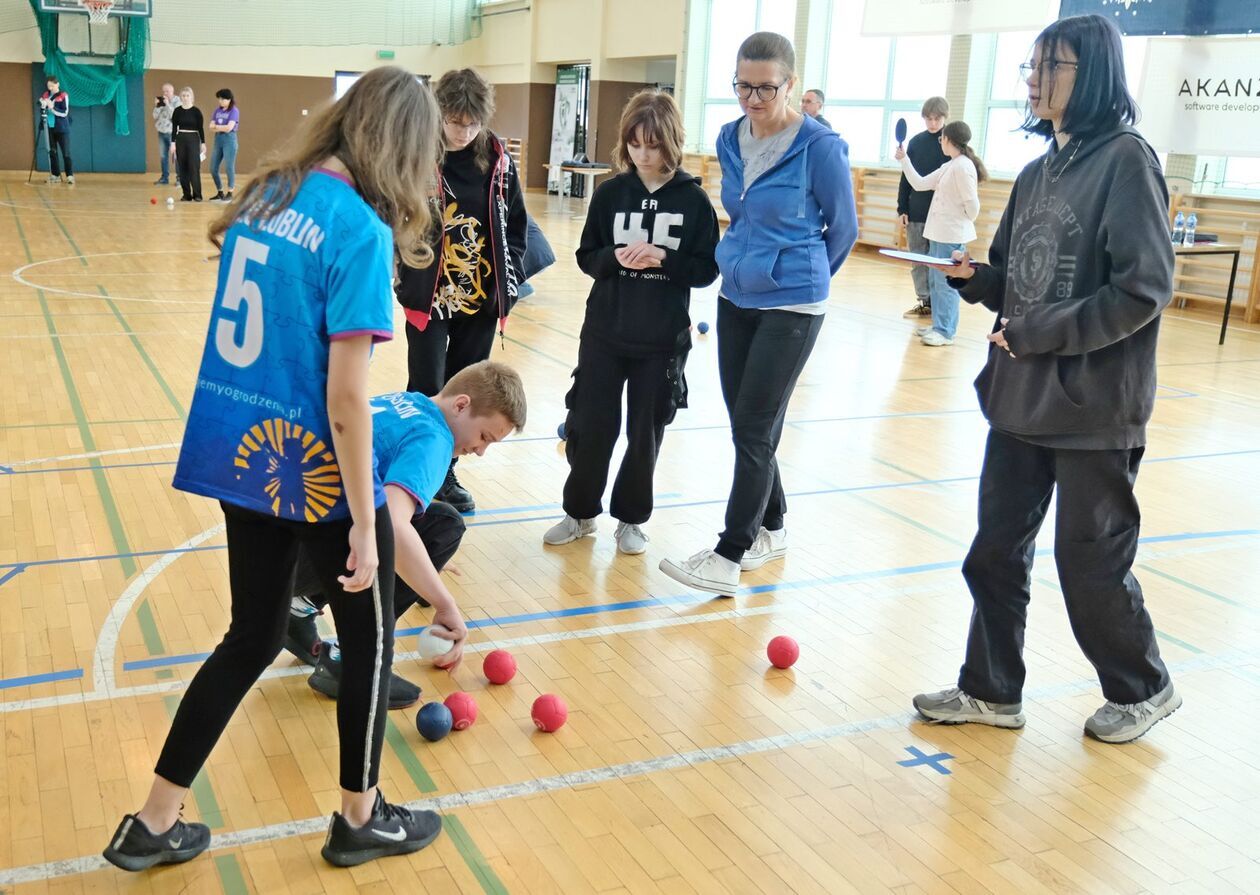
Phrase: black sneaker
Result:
[393,830]
[455,494]
[227,197]
[302,638]
[326,679]
[135,847]
[217,197]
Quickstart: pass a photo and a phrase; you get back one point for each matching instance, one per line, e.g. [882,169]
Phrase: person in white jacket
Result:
[950,221]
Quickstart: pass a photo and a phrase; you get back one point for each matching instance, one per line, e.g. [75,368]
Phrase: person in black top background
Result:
[55,103]
[924,150]
[189,146]
[649,239]
[452,306]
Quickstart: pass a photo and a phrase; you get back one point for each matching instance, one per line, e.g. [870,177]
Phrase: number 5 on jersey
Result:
[236,292]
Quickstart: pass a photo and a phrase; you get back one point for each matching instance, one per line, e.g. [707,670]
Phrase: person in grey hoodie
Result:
[1079,270]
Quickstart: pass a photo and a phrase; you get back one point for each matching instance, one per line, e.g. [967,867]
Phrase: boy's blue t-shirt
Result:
[413,444]
[258,435]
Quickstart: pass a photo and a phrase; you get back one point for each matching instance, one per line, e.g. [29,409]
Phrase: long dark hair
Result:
[958,133]
[1100,101]
[224,93]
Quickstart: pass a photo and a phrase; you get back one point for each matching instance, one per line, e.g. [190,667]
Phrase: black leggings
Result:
[262,555]
[188,164]
[441,529]
[444,347]
[59,144]
[760,357]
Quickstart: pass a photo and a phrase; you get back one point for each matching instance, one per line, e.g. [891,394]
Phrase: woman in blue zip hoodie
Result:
[787,189]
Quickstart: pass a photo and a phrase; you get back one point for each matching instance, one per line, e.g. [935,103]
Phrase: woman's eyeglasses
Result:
[1053,65]
[765,92]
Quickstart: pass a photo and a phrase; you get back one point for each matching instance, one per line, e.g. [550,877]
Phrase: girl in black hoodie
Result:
[649,240]
[452,306]
[1079,270]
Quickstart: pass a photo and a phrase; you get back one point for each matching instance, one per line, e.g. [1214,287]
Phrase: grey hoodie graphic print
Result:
[1081,264]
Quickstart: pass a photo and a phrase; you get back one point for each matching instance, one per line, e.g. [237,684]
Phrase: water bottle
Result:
[1179,229]
[1191,223]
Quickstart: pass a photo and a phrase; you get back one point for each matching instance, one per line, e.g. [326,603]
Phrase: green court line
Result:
[72,423]
[230,875]
[64,231]
[144,355]
[476,861]
[203,795]
[913,523]
[1194,587]
[901,469]
[410,762]
[149,630]
[85,432]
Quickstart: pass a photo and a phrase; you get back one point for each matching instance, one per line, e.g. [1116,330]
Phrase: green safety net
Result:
[96,85]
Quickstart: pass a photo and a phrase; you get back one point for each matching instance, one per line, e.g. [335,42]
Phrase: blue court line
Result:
[46,678]
[13,572]
[694,598]
[52,469]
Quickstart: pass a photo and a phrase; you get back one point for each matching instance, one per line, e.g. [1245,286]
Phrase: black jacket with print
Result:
[1081,266]
[646,311]
[505,207]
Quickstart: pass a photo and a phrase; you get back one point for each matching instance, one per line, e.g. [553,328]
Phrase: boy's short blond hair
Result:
[493,388]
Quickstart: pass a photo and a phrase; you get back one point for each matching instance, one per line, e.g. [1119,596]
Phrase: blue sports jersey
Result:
[412,442]
[258,434]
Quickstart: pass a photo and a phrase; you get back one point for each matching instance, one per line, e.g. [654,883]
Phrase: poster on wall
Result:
[563,125]
[1156,17]
[893,18]
[1201,96]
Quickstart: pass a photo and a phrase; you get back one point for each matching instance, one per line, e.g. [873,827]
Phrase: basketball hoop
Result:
[98,10]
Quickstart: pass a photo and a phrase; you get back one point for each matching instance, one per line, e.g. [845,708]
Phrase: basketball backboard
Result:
[121,7]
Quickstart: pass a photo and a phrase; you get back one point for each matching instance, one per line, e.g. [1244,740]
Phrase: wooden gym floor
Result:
[687,763]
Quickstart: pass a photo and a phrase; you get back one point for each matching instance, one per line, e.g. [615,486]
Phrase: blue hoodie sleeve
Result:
[833,190]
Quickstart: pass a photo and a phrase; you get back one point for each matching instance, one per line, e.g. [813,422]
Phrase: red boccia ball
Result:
[549,713]
[152,201]
[499,666]
[463,710]
[783,652]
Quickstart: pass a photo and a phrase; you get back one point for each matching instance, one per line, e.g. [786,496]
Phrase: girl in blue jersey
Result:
[280,433]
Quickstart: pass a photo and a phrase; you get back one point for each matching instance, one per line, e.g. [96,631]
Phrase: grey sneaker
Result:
[706,571]
[768,545]
[922,331]
[1116,723]
[934,339]
[630,539]
[953,706]
[568,530]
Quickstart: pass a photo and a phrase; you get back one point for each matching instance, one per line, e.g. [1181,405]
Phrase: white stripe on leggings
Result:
[376,683]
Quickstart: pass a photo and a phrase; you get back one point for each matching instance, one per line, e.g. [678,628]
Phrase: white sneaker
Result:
[766,546]
[705,571]
[568,530]
[70,179]
[630,539]
[934,339]
[922,331]
[52,179]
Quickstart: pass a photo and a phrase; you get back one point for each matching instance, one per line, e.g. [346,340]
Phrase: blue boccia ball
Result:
[702,327]
[560,432]
[433,721]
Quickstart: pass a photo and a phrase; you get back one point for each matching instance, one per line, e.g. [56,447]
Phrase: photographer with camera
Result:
[165,103]
[55,107]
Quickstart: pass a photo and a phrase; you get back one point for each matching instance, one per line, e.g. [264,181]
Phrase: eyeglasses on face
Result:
[471,127]
[1053,65]
[765,92]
